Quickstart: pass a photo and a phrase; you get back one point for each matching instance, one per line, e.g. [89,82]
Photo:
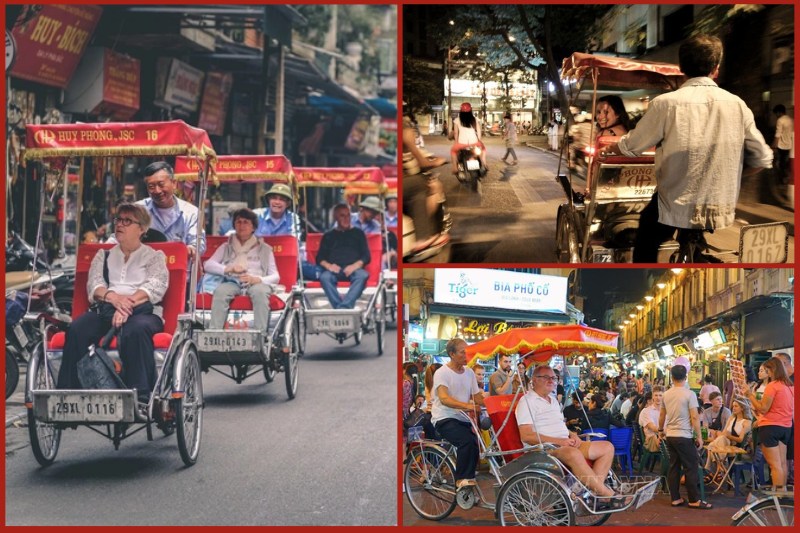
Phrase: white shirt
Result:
[460,387]
[544,414]
[467,135]
[703,136]
[784,133]
[648,415]
[625,408]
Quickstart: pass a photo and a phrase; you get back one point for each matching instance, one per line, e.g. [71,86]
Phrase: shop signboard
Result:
[500,289]
[214,107]
[703,341]
[650,355]
[178,84]
[681,350]
[51,42]
[666,350]
[105,83]
[718,336]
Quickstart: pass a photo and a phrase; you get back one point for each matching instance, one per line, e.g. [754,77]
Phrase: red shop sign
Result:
[214,105]
[51,43]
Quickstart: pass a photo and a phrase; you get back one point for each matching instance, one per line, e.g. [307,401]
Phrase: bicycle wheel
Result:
[567,247]
[767,513]
[291,354]
[189,408]
[534,499]
[45,438]
[380,321]
[430,482]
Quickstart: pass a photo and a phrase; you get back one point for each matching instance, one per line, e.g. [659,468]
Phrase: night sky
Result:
[601,287]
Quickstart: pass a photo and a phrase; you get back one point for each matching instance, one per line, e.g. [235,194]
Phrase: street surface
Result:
[514,219]
[328,457]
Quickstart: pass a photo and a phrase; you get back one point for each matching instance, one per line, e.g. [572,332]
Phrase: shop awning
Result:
[499,314]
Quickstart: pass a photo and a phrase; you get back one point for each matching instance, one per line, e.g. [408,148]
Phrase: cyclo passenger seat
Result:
[373,268]
[172,303]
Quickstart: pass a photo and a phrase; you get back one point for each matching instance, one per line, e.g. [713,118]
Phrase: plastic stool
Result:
[737,474]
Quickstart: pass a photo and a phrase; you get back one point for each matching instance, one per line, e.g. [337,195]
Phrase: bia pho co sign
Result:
[500,289]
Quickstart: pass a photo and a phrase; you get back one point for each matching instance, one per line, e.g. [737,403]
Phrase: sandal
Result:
[700,505]
[678,503]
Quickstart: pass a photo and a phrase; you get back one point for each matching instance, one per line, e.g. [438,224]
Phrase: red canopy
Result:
[227,168]
[117,138]
[338,177]
[622,72]
[540,344]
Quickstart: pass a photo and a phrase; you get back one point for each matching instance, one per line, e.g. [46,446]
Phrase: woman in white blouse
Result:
[125,284]
[247,265]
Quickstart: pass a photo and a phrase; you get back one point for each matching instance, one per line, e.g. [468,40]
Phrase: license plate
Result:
[647,494]
[764,243]
[20,333]
[72,407]
[229,341]
[333,323]
[473,164]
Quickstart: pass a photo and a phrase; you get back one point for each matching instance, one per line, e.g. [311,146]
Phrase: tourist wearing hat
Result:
[276,218]
[466,132]
[391,211]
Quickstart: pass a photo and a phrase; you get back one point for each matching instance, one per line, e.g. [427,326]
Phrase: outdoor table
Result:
[723,465]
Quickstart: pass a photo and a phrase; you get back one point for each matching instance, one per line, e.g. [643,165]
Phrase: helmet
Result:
[466,107]
[281,190]
[372,203]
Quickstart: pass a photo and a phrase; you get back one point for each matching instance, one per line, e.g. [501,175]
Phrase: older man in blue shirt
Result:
[366,219]
[276,219]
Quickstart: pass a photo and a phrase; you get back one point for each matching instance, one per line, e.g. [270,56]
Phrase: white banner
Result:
[501,289]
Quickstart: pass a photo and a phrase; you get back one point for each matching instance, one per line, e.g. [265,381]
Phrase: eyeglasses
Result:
[125,222]
[548,378]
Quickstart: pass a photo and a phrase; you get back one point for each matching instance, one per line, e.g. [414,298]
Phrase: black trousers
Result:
[651,234]
[460,435]
[683,454]
[135,344]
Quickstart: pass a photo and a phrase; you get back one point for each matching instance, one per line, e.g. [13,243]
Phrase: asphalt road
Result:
[328,457]
[514,219]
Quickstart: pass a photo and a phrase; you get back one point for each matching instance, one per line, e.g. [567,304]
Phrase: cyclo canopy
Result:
[538,345]
[622,72]
[371,178]
[238,168]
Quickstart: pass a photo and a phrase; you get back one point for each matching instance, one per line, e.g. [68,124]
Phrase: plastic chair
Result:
[647,459]
[665,468]
[622,439]
[744,463]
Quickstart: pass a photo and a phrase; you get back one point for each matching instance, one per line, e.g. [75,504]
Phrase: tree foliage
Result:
[420,87]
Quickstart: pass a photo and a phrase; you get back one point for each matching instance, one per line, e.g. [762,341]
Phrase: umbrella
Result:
[540,344]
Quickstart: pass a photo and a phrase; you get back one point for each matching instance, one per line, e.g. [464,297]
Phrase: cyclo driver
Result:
[456,393]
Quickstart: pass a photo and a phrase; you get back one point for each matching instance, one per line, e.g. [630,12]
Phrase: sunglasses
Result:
[125,221]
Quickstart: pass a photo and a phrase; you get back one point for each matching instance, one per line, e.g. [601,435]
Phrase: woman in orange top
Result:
[775,424]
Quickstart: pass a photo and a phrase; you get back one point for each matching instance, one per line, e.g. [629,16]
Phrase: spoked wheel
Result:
[584,518]
[189,408]
[380,321]
[567,249]
[767,513]
[430,482]
[269,370]
[290,355]
[302,335]
[12,373]
[45,438]
[534,499]
[358,336]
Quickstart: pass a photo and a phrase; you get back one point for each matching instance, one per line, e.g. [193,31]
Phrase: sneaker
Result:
[461,483]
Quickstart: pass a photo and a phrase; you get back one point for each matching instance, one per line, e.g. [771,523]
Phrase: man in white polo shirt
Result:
[539,418]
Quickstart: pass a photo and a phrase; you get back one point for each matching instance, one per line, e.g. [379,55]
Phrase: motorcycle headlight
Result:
[477,151]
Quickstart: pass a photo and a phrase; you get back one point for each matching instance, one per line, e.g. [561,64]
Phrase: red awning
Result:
[338,177]
[623,72]
[540,344]
[249,168]
[117,138]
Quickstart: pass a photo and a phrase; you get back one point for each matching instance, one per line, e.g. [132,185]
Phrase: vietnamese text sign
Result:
[50,44]
[214,106]
[178,83]
[500,289]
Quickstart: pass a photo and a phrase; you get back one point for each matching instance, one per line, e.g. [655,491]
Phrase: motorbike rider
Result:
[420,195]
[466,132]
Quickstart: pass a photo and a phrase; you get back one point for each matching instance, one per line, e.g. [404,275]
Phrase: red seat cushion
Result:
[317,284]
[161,341]
[239,303]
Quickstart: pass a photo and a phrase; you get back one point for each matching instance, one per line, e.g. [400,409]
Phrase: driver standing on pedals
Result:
[456,395]
[703,135]
[421,196]
[466,132]
[540,419]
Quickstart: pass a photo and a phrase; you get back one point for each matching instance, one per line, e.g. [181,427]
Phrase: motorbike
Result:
[442,220]
[20,258]
[470,167]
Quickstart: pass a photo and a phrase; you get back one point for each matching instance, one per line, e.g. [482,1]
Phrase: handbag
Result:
[415,418]
[651,443]
[96,370]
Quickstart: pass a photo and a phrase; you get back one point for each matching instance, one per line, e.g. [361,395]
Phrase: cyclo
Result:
[176,403]
[244,350]
[601,227]
[369,315]
[531,487]
[389,274]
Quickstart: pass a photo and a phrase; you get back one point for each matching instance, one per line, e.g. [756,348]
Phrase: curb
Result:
[16,418]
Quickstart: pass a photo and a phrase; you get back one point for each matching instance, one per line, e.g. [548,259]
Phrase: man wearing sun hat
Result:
[276,218]
[391,211]
[367,217]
